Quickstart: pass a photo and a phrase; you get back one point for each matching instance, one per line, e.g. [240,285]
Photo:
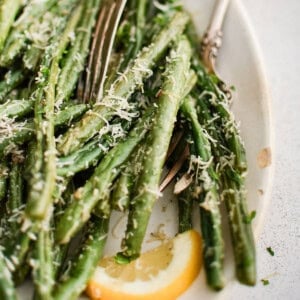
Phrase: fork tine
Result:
[112,30]
[98,57]
[89,71]
[174,142]
[106,27]
[175,169]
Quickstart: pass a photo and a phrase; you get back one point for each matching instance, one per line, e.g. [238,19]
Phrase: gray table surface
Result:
[277,26]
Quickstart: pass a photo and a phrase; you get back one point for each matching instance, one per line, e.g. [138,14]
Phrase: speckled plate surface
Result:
[240,65]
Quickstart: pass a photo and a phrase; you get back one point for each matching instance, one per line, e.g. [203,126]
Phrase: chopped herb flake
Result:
[270,250]
[265,281]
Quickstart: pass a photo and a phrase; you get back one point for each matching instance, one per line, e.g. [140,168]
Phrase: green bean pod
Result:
[74,281]
[157,143]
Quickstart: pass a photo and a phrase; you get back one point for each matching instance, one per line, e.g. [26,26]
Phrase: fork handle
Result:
[212,39]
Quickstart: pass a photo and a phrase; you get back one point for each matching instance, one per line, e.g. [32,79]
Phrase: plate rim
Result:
[270,137]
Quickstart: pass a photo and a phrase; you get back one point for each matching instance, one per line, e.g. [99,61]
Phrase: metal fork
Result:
[101,48]
[211,43]
[212,39]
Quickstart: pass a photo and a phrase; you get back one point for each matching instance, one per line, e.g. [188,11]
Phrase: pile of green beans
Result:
[66,165]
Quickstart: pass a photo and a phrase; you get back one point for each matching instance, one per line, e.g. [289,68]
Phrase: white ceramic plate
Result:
[240,65]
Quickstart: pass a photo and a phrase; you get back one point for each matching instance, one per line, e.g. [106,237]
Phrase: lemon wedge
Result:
[164,272]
